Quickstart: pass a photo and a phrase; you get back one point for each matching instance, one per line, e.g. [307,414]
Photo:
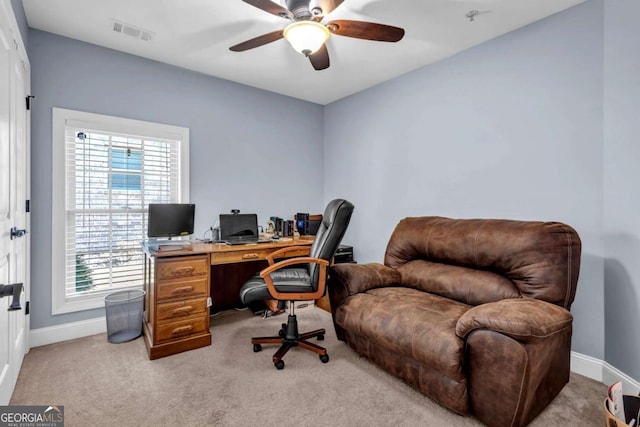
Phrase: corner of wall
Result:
[603,372]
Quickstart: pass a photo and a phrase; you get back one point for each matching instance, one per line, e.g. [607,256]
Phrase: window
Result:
[106,171]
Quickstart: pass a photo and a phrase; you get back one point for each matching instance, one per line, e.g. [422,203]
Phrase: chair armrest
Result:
[266,275]
[524,319]
[282,253]
[357,278]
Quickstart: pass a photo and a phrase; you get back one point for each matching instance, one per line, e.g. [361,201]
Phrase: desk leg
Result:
[324,303]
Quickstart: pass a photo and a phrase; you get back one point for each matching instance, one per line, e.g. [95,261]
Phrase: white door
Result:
[14,190]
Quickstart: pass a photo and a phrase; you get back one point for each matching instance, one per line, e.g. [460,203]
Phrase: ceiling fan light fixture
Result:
[306,37]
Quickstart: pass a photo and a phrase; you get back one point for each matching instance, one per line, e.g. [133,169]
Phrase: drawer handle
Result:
[250,256]
[183,271]
[183,311]
[182,330]
[182,290]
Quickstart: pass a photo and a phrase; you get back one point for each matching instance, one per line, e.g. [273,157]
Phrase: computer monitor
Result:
[170,219]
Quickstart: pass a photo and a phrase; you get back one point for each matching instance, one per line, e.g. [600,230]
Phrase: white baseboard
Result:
[587,366]
[603,372]
[611,374]
[68,331]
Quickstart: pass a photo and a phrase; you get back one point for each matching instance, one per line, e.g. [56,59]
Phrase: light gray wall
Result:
[510,129]
[621,191]
[246,151]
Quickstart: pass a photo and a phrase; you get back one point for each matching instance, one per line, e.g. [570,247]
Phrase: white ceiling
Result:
[197,34]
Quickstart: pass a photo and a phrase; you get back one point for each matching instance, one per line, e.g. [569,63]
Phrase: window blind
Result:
[110,180]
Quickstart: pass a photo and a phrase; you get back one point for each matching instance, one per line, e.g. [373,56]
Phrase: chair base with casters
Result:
[288,337]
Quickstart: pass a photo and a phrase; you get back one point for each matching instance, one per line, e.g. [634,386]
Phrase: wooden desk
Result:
[179,284]
[232,266]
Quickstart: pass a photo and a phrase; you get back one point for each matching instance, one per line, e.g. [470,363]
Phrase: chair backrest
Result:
[334,224]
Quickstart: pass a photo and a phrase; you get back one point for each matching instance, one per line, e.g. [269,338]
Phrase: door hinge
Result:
[27,206]
[26,307]
[29,97]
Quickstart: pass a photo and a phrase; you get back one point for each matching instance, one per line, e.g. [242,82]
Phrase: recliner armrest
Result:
[524,319]
[357,278]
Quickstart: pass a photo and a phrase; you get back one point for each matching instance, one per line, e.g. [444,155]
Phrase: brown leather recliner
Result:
[474,312]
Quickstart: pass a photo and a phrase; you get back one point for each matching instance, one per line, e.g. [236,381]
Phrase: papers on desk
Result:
[167,248]
[168,245]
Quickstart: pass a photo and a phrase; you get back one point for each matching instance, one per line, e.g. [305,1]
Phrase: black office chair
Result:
[299,279]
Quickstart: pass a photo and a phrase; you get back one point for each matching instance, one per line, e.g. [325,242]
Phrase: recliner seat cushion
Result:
[410,322]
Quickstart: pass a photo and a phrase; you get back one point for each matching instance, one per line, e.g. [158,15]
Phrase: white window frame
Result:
[60,302]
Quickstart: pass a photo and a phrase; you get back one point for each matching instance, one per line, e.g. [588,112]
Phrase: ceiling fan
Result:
[308,35]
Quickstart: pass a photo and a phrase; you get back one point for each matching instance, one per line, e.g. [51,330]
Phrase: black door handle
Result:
[15,233]
[12,290]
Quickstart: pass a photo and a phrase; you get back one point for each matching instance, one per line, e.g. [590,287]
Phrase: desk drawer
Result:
[182,328]
[181,309]
[183,267]
[182,288]
[254,254]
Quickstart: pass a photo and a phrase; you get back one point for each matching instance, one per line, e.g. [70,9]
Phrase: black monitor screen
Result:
[170,219]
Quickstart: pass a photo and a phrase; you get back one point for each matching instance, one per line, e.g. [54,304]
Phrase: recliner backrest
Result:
[540,259]
[335,221]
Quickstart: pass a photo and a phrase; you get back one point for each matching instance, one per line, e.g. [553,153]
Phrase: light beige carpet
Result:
[227,384]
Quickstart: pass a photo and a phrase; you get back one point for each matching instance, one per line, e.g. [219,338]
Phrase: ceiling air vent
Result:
[130,30]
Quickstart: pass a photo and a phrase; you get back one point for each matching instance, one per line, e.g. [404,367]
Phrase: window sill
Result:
[84,302]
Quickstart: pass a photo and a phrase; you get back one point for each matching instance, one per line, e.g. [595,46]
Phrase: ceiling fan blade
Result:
[325,5]
[366,30]
[320,59]
[257,41]
[271,7]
